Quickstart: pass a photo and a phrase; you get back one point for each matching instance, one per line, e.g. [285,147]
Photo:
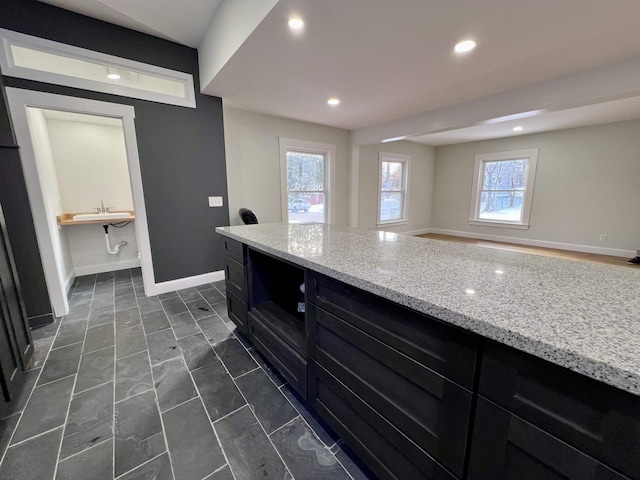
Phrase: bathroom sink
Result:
[111,216]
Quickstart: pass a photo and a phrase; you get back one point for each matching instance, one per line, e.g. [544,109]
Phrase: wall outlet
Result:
[215,201]
[603,237]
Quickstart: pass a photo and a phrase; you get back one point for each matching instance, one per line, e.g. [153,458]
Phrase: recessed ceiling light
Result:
[113,76]
[470,291]
[499,272]
[465,46]
[517,129]
[333,101]
[296,23]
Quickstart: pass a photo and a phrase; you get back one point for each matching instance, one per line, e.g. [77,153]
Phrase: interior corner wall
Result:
[253,162]
[587,183]
[181,150]
[421,177]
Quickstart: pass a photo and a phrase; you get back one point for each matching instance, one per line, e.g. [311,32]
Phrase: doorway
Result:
[50,199]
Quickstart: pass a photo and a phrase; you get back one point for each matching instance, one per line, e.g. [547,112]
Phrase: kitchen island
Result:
[441,360]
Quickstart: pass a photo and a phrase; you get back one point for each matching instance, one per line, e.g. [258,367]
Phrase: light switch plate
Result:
[215,201]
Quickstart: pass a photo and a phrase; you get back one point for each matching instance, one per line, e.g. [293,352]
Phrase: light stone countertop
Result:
[580,315]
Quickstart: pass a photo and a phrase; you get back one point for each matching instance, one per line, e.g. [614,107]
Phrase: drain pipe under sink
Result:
[116,248]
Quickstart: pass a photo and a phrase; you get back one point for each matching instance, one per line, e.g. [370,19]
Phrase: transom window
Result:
[305,170]
[392,198]
[503,188]
[34,58]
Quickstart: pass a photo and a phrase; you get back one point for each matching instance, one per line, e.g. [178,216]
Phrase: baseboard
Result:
[106,267]
[68,282]
[422,231]
[180,283]
[41,320]
[616,252]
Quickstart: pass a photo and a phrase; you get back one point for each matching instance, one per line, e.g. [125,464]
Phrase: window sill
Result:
[395,223]
[493,223]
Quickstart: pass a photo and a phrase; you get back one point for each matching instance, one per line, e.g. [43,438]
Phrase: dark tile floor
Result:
[134,387]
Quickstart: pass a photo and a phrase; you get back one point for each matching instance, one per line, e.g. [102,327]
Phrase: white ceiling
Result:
[390,59]
[182,21]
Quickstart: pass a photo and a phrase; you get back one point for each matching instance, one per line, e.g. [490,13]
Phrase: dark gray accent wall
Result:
[19,223]
[181,149]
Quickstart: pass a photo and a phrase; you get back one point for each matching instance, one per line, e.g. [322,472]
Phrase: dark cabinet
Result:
[506,447]
[15,337]
[597,419]
[236,283]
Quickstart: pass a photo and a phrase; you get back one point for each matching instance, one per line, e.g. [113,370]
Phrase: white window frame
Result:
[398,158]
[326,149]
[10,38]
[531,155]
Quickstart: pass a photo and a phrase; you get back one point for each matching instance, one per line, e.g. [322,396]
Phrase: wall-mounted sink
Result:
[111,216]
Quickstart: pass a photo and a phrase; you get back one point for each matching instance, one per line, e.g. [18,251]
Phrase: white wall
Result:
[51,192]
[421,174]
[91,162]
[91,165]
[587,183]
[253,162]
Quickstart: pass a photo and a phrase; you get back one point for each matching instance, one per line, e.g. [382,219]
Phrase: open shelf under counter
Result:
[287,326]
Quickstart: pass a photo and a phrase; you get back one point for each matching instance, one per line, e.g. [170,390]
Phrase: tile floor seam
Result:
[4,454]
[33,436]
[134,395]
[100,349]
[52,381]
[113,411]
[155,395]
[195,386]
[73,387]
[255,416]
[228,414]
[130,355]
[75,394]
[85,450]
[287,423]
[135,468]
[64,346]
[224,454]
[247,373]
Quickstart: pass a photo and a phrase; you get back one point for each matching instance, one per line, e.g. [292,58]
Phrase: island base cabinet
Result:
[385,450]
[237,313]
[506,447]
[285,359]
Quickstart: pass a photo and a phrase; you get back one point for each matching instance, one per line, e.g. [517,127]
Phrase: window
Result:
[34,58]
[306,180]
[503,188]
[392,198]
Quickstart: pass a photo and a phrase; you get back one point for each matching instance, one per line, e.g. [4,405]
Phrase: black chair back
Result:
[247,216]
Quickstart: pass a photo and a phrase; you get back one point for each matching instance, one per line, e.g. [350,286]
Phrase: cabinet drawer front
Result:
[237,312]
[288,363]
[234,278]
[233,249]
[430,342]
[385,450]
[595,418]
[505,447]
[426,407]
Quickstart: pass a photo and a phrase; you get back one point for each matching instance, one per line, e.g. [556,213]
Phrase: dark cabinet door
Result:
[13,304]
[506,447]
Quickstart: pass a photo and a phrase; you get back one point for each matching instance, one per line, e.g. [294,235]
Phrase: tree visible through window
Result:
[393,188]
[503,188]
[305,186]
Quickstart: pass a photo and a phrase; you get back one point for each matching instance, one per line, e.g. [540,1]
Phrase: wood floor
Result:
[550,252]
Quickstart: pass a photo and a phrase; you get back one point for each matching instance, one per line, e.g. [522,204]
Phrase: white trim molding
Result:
[354,191]
[45,224]
[110,63]
[531,155]
[326,149]
[181,283]
[405,160]
[573,247]
[106,267]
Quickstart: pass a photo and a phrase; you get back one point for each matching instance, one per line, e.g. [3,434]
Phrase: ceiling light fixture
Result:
[333,102]
[465,46]
[517,129]
[112,74]
[296,23]
[393,139]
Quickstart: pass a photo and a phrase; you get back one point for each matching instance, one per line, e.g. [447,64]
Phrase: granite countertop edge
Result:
[597,370]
